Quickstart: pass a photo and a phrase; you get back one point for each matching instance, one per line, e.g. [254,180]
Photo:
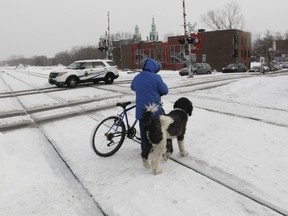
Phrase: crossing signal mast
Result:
[188,41]
[105,44]
[184,19]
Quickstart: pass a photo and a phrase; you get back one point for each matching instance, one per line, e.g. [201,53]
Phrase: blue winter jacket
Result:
[149,87]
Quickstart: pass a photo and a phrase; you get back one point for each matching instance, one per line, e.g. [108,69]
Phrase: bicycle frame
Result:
[123,115]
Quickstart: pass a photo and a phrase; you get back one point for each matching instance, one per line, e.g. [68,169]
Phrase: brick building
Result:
[281,52]
[225,47]
[218,48]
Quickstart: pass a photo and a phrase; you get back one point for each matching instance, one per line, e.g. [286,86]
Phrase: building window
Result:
[235,40]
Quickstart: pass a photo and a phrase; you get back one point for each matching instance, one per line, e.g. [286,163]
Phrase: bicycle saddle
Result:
[124,104]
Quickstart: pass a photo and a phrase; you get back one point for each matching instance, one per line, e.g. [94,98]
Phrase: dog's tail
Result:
[148,115]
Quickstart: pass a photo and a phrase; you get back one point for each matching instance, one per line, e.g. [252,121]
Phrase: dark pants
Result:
[144,140]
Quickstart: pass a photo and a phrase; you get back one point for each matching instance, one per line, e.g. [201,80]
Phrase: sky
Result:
[46,27]
[237,134]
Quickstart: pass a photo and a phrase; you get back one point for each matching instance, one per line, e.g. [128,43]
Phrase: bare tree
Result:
[121,36]
[286,35]
[63,58]
[263,46]
[40,60]
[279,36]
[229,17]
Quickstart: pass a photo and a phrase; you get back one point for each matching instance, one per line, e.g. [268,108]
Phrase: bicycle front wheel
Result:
[108,136]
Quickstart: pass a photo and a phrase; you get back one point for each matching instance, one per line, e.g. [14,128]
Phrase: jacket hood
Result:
[151,65]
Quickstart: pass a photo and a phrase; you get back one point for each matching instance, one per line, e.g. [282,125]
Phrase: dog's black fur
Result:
[160,130]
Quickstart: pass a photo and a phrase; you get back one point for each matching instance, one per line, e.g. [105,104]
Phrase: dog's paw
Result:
[146,164]
[184,154]
[166,155]
[157,171]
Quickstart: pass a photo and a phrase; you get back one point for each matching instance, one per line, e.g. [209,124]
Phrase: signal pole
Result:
[187,55]
[109,53]
[184,19]
[105,44]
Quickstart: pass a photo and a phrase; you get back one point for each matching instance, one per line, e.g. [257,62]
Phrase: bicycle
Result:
[110,133]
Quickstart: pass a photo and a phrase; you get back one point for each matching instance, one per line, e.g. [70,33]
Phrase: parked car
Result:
[235,67]
[284,65]
[275,67]
[257,69]
[198,68]
[85,71]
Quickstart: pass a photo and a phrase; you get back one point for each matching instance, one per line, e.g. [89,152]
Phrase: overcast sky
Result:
[46,27]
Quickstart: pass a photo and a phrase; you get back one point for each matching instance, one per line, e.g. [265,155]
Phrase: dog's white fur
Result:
[152,107]
[159,149]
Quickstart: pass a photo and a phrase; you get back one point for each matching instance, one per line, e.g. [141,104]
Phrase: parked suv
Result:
[85,71]
[235,67]
[198,68]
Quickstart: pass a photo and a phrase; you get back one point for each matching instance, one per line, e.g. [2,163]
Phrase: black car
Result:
[235,67]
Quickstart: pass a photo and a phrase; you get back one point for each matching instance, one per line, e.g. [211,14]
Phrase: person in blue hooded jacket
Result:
[149,87]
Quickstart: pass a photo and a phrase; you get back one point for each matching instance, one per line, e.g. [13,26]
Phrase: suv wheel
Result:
[72,82]
[109,78]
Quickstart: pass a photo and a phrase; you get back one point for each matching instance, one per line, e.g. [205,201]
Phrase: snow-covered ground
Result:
[237,135]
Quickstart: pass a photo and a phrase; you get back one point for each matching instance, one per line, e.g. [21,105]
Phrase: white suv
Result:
[85,71]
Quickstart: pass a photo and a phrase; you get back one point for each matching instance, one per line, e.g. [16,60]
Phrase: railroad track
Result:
[77,107]
[227,182]
[59,109]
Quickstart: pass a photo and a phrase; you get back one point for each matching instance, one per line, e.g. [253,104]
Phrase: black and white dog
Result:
[160,130]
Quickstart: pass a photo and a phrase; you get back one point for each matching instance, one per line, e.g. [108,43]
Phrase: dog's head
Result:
[184,104]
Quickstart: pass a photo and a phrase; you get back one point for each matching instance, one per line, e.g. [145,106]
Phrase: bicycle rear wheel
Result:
[108,136]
